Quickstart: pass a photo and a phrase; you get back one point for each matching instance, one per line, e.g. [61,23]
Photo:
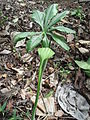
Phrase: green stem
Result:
[41,69]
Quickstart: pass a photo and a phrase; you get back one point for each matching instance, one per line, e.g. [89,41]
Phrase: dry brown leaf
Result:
[70,37]
[59,113]
[5,52]
[49,103]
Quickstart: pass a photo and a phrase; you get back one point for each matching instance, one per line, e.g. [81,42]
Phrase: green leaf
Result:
[57,18]
[33,42]
[23,35]
[49,94]
[50,12]
[45,42]
[45,53]
[74,12]
[60,40]
[83,65]
[63,29]
[38,17]
[87,72]
[88,61]
[4,105]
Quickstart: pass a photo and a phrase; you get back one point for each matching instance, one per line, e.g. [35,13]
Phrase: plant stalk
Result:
[41,69]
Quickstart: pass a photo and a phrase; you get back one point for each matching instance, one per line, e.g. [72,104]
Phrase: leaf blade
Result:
[22,35]
[50,12]
[60,40]
[63,29]
[45,53]
[38,17]
[45,41]
[82,64]
[58,17]
[33,42]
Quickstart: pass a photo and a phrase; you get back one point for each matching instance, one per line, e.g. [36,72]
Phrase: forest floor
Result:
[19,69]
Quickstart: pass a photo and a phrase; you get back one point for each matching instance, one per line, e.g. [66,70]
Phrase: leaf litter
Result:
[20,85]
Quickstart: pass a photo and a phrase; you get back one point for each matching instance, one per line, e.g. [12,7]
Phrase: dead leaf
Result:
[51,70]
[20,43]
[3,76]
[5,52]
[4,90]
[10,105]
[49,103]
[70,37]
[80,31]
[83,50]
[72,102]
[20,71]
[23,93]
[86,42]
[59,113]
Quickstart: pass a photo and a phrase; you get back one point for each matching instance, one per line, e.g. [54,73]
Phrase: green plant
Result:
[84,65]
[2,18]
[78,12]
[45,54]
[15,116]
[2,108]
[46,21]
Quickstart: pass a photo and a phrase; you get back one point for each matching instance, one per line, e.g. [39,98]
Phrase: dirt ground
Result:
[19,70]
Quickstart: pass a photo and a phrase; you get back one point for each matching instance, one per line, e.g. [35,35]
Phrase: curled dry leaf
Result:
[72,102]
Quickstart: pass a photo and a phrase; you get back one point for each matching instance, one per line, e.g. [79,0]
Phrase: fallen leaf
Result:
[70,37]
[4,90]
[86,42]
[3,76]
[20,43]
[23,93]
[72,102]
[10,105]
[20,71]
[51,70]
[49,103]
[5,52]
[59,113]
[83,50]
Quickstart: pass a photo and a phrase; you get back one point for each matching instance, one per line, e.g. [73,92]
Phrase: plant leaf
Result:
[63,29]
[45,41]
[4,105]
[33,42]
[50,12]
[88,61]
[60,40]
[45,53]
[57,18]
[87,72]
[38,17]
[83,65]
[23,35]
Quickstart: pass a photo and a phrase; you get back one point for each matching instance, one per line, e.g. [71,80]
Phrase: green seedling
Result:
[14,116]
[49,94]
[78,12]
[2,108]
[45,54]
[2,18]
[84,65]
[46,20]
